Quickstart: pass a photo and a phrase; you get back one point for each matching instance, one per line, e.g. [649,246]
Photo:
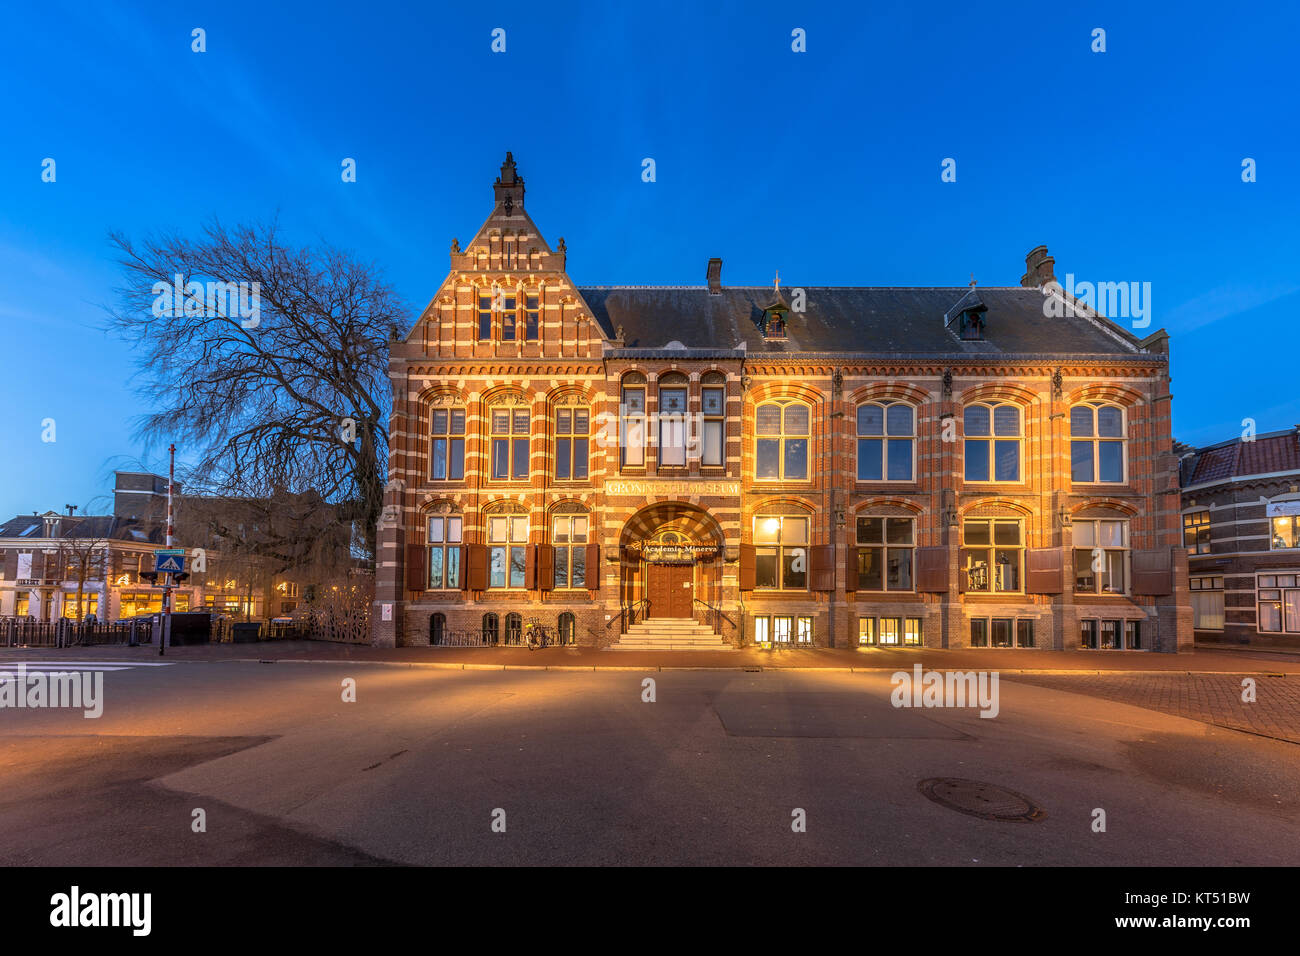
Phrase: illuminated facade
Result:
[839,466]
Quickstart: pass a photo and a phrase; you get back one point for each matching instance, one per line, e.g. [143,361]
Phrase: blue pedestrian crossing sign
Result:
[171,561]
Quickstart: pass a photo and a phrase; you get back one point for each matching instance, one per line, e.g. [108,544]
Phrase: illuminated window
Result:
[1101,557]
[886,441]
[885,553]
[993,439]
[1097,443]
[510,428]
[1284,532]
[781,553]
[507,537]
[781,441]
[447,444]
[1278,599]
[444,537]
[866,630]
[993,554]
[1196,532]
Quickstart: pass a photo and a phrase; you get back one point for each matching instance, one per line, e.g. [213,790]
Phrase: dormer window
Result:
[972,325]
[966,318]
[774,316]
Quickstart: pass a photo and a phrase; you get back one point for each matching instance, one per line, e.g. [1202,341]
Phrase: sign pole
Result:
[167,585]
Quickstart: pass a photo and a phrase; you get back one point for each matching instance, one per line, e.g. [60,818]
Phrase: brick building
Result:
[1241,527]
[937,466]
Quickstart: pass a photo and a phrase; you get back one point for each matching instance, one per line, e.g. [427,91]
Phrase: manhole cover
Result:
[984,800]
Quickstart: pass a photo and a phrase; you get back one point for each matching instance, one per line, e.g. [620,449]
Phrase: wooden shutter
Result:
[1153,572]
[546,567]
[821,567]
[748,573]
[850,569]
[11,564]
[1045,571]
[476,560]
[593,567]
[932,570]
[416,577]
[530,567]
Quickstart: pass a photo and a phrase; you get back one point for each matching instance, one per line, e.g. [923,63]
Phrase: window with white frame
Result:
[713,419]
[781,441]
[443,536]
[1207,602]
[993,554]
[447,444]
[1097,443]
[572,440]
[672,420]
[510,430]
[569,537]
[507,540]
[1101,556]
[993,438]
[781,552]
[886,441]
[885,549]
[1278,600]
[632,421]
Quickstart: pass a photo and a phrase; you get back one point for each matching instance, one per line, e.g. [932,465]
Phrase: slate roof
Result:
[908,321]
[1267,454]
[108,527]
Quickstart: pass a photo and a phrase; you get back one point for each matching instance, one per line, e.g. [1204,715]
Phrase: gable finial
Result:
[776,283]
[972,280]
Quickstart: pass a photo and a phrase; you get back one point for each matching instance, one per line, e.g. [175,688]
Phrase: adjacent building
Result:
[1241,528]
[941,466]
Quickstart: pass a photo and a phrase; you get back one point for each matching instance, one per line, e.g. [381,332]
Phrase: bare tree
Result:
[283,390]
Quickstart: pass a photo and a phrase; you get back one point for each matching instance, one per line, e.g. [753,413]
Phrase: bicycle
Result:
[537,635]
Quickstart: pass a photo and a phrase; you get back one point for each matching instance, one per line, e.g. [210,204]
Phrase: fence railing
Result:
[65,633]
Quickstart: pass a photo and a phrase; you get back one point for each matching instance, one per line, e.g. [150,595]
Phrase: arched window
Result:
[672,419]
[781,442]
[491,628]
[632,421]
[572,439]
[713,419]
[568,628]
[781,552]
[886,441]
[443,537]
[569,536]
[510,430]
[1097,443]
[437,628]
[514,628]
[993,441]
[447,444]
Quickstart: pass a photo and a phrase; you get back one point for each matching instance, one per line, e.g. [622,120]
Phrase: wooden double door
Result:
[671,589]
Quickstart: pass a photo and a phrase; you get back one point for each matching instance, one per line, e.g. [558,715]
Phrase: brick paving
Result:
[1210,698]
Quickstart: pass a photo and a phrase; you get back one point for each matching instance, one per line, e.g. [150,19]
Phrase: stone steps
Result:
[670,634]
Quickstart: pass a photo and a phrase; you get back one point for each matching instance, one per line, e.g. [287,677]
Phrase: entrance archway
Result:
[671,560]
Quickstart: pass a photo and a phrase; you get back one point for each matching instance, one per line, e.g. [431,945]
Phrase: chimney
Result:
[72,509]
[1040,268]
[715,276]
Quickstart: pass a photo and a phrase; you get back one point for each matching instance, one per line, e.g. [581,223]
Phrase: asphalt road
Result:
[586,772]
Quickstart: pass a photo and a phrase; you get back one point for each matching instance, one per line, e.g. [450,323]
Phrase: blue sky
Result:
[825,165]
